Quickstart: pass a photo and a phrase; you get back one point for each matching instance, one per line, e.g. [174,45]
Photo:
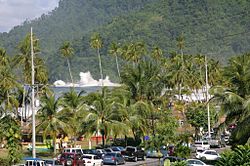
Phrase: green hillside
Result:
[216,28]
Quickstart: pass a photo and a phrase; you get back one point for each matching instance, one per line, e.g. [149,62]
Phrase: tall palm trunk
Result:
[100,65]
[117,66]
[54,144]
[71,77]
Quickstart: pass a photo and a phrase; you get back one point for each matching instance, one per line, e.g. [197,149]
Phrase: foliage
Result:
[206,28]
[4,162]
[179,163]
[239,156]
[11,131]
[182,151]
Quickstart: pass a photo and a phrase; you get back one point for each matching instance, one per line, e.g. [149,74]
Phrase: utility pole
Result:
[207,99]
[33,97]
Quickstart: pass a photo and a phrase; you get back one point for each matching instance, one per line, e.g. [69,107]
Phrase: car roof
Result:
[31,158]
[89,155]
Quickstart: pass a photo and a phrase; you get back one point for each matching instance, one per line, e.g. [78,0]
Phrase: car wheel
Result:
[143,158]
[203,158]
[136,159]
[116,162]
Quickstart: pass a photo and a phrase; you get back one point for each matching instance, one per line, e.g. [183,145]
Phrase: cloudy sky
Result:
[14,12]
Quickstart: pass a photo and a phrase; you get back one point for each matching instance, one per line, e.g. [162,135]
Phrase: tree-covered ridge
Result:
[216,28]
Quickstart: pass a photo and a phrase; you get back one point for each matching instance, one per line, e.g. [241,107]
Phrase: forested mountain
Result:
[216,28]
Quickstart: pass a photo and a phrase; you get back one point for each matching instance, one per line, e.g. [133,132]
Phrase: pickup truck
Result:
[133,153]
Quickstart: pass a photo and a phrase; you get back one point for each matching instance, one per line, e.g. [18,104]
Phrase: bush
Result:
[239,156]
[182,151]
[4,162]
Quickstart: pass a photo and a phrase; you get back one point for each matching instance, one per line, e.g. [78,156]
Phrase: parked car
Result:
[171,159]
[133,153]
[30,161]
[195,162]
[73,150]
[208,155]
[215,142]
[92,160]
[117,149]
[99,152]
[202,145]
[113,158]
[153,154]
[71,159]
[52,162]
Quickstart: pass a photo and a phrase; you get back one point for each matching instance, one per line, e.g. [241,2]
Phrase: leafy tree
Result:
[234,99]
[10,128]
[197,117]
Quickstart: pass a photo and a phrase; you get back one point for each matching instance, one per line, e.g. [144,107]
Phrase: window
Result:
[207,152]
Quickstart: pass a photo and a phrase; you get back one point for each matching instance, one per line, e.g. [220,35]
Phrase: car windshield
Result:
[130,149]
[115,149]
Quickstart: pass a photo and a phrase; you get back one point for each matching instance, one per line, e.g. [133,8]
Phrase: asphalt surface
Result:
[147,162]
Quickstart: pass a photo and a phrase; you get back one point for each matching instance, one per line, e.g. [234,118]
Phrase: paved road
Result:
[147,162]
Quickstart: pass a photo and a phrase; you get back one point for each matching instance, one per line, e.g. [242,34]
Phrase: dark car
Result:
[71,159]
[113,158]
[133,153]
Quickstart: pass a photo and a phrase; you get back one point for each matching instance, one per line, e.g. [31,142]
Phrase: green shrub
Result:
[4,162]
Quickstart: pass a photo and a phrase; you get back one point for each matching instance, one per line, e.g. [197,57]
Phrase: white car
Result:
[208,155]
[92,160]
[201,145]
[195,162]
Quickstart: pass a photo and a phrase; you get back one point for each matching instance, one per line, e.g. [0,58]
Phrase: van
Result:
[202,145]
[73,150]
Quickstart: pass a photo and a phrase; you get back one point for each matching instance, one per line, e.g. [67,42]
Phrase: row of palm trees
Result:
[140,106]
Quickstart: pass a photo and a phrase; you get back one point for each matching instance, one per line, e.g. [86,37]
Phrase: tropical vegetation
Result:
[158,71]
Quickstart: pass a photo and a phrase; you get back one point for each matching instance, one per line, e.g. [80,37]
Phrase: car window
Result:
[213,153]
[87,157]
[97,157]
[119,155]
[130,149]
[190,162]
[108,150]
[78,151]
[207,152]
[198,162]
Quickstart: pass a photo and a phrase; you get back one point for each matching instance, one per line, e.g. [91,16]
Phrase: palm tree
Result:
[100,117]
[52,121]
[96,43]
[114,51]
[67,51]
[72,103]
[24,57]
[234,99]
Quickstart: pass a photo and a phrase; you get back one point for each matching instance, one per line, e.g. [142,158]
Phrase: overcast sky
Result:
[15,12]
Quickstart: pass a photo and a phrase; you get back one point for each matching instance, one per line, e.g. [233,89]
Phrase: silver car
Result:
[113,158]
